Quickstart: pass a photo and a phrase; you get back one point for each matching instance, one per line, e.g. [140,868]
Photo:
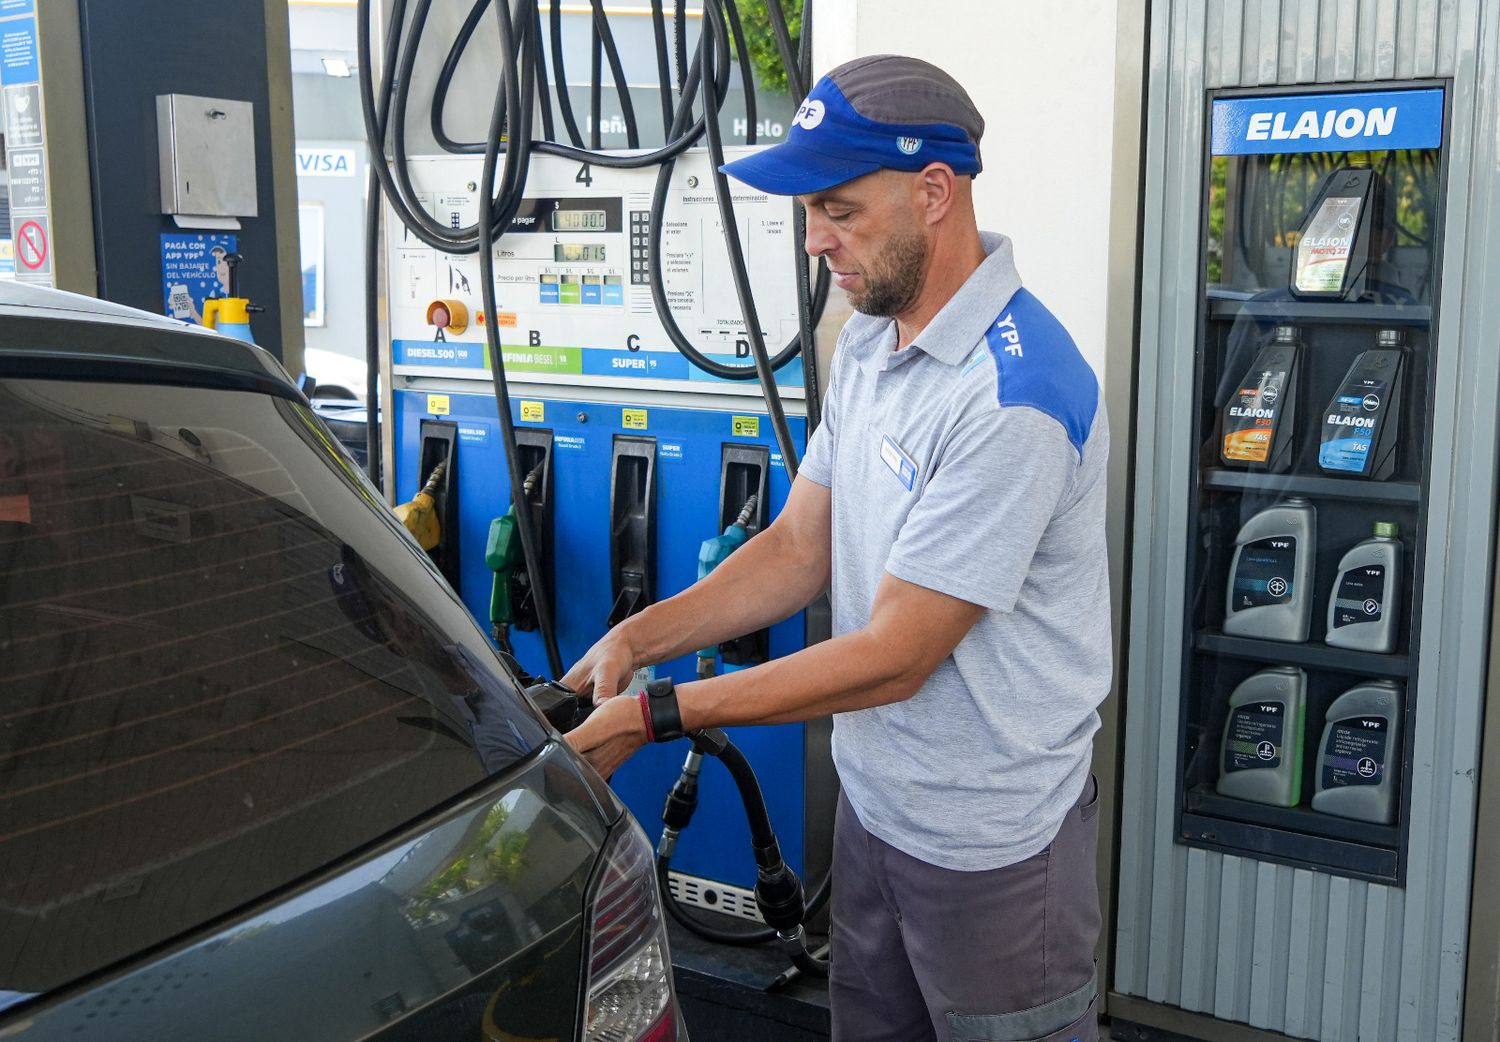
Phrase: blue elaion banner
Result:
[1350,122]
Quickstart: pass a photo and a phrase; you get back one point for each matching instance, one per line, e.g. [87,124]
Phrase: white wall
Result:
[1043,77]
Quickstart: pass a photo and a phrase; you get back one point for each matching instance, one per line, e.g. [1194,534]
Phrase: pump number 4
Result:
[585,176]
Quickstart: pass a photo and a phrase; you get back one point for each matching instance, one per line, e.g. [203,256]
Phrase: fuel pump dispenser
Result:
[632,342]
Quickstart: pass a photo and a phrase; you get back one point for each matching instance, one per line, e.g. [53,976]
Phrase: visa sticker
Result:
[900,463]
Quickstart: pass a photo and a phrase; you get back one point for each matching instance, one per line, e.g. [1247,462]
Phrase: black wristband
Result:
[666,718]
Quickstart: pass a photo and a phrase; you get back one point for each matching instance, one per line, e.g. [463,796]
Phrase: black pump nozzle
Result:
[563,707]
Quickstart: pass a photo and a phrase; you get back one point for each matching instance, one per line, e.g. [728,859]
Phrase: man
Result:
[953,499]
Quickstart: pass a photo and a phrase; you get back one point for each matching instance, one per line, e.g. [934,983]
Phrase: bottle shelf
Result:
[1310,311]
[1225,480]
[1290,834]
[1310,655]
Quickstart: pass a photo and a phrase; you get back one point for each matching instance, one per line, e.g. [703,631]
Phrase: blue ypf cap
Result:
[883,112]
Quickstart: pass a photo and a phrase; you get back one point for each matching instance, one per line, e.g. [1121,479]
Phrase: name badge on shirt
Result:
[900,463]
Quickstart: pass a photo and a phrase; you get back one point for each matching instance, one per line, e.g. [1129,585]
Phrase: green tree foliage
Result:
[760,41]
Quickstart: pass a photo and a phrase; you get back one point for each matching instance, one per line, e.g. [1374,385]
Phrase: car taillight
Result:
[630,996]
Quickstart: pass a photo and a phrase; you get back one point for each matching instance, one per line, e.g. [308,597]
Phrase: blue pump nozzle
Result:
[715,552]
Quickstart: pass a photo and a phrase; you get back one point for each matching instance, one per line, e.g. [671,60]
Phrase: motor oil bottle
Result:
[1362,613]
[1359,756]
[1261,413]
[1260,757]
[1361,424]
[1270,576]
[1333,250]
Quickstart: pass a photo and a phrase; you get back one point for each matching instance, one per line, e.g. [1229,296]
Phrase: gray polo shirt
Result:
[972,463]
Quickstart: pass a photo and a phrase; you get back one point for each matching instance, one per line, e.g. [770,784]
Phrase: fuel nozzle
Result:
[562,706]
[503,556]
[715,552]
[419,516]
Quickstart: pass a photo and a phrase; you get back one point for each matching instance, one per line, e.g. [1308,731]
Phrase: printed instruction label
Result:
[439,405]
[745,426]
[1360,596]
[533,412]
[1355,752]
[1265,571]
[633,419]
[1256,731]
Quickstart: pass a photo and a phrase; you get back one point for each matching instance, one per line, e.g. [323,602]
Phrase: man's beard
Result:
[894,279]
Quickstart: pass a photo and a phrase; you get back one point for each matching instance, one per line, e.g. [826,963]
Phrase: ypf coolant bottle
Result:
[1260,415]
[1260,755]
[1270,576]
[1360,754]
[1362,613]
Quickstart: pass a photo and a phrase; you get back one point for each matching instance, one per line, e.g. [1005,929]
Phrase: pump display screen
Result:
[1255,736]
[1264,575]
[579,221]
[578,252]
[1355,753]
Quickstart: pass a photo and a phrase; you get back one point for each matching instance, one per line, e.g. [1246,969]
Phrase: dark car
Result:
[261,776]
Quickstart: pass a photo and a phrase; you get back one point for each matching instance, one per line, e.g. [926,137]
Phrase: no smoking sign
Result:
[33,247]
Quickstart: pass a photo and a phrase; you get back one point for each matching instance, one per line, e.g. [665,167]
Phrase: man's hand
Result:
[605,671]
[609,737]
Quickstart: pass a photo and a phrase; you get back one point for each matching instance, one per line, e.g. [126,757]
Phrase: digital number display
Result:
[579,221]
[577,252]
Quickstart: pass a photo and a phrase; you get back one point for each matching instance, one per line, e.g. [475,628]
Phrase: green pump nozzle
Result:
[503,556]
[715,552]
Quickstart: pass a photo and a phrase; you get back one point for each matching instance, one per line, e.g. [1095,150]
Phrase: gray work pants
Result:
[927,953]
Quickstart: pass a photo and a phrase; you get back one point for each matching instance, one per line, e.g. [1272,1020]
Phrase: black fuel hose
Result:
[605,38]
[715,15]
[372,330]
[763,841]
[560,75]
[747,73]
[663,66]
[445,81]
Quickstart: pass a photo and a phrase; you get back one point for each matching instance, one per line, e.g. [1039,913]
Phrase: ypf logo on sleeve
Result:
[898,462]
[810,114]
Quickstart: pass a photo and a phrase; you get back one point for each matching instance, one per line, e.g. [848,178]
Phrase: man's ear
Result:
[936,188]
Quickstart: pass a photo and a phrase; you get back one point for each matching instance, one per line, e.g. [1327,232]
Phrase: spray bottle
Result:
[231,315]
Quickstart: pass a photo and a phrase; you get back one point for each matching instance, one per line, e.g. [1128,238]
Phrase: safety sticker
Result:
[745,426]
[438,405]
[532,412]
[633,419]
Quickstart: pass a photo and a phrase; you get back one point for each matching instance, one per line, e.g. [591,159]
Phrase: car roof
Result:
[35,337]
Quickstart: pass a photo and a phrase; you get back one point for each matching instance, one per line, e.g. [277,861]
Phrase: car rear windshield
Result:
[222,667]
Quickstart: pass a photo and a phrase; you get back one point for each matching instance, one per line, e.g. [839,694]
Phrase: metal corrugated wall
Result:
[1278,948]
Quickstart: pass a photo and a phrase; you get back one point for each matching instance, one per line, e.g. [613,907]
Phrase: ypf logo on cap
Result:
[810,114]
[908,145]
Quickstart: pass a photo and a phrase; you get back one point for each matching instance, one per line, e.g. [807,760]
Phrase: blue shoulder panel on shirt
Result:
[1038,365]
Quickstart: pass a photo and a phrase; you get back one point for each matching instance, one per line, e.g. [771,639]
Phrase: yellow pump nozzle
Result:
[420,515]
